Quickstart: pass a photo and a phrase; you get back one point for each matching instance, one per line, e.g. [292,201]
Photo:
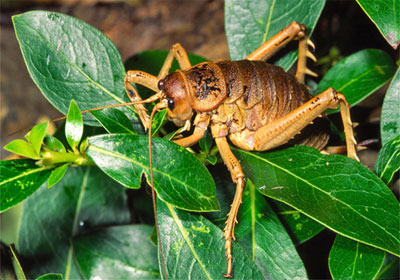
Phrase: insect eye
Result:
[171,104]
[161,84]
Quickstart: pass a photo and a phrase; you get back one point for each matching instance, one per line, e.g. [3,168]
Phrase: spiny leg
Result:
[304,52]
[238,177]
[294,31]
[146,80]
[285,128]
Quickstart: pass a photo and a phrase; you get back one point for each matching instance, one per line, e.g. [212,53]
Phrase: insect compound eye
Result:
[161,84]
[171,104]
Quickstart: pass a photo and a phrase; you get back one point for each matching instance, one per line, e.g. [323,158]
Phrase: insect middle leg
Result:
[218,130]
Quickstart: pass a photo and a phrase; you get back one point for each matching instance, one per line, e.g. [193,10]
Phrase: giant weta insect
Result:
[256,105]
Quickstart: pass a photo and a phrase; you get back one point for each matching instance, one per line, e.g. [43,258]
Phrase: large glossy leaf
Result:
[390,116]
[69,59]
[179,177]
[349,259]
[334,190]
[358,75]
[84,199]
[119,252]
[194,248]
[388,161]
[250,23]
[19,179]
[300,227]
[265,239]
[386,16]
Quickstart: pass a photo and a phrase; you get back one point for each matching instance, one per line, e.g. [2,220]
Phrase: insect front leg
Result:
[280,131]
[218,130]
[201,123]
[146,80]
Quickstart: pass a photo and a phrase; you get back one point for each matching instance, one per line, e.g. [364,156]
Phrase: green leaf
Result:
[114,121]
[22,148]
[390,116]
[194,248]
[19,272]
[119,252]
[57,174]
[74,125]
[388,161]
[206,141]
[334,190]
[179,177]
[159,120]
[358,75]
[390,268]
[36,136]
[385,15]
[250,23]
[54,144]
[265,239]
[349,259]
[85,199]
[50,276]
[69,59]
[300,227]
[19,179]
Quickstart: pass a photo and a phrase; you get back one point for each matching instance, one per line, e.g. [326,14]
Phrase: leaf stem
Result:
[49,157]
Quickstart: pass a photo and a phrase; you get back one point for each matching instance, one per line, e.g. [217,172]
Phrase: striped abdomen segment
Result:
[264,93]
[257,82]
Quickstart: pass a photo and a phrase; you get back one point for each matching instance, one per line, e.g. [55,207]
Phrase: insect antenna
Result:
[153,194]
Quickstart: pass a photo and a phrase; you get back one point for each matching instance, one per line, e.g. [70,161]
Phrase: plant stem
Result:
[49,157]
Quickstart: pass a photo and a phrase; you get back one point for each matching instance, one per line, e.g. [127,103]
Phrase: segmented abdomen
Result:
[265,92]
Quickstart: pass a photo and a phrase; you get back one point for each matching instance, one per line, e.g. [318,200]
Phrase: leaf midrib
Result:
[32,171]
[75,221]
[328,194]
[190,245]
[122,157]
[72,64]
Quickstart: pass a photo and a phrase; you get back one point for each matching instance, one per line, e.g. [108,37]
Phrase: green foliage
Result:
[114,121]
[87,209]
[385,15]
[359,75]
[187,238]
[97,256]
[335,198]
[352,260]
[250,23]
[74,126]
[125,158]
[390,117]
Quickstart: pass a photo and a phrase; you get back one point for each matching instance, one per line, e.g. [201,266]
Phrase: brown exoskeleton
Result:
[256,105]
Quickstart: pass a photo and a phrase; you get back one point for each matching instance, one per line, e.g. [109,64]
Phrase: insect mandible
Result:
[256,105]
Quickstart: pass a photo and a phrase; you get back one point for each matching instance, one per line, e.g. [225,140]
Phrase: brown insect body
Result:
[243,95]
[256,105]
